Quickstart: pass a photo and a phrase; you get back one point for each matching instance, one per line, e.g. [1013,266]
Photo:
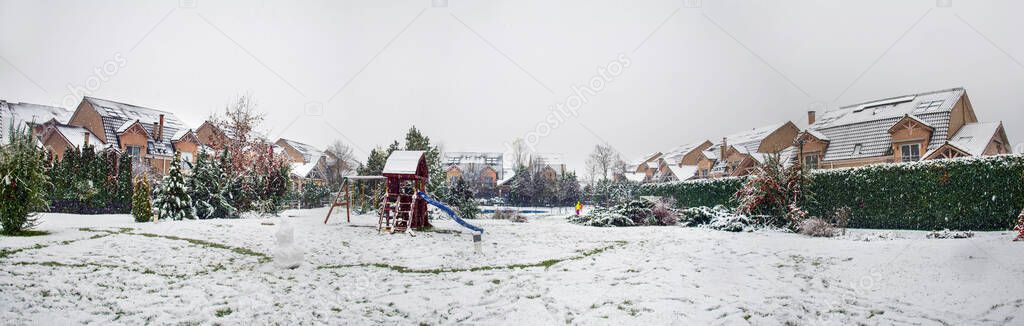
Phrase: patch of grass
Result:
[223,312]
[496,281]
[27,233]
[545,264]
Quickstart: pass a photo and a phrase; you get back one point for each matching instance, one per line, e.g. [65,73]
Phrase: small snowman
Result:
[287,254]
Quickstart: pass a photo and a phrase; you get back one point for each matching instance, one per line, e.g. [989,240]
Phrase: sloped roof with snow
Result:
[309,152]
[403,162]
[116,115]
[867,124]
[973,138]
[22,113]
[684,172]
[471,163]
[305,170]
[77,135]
[674,155]
[750,140]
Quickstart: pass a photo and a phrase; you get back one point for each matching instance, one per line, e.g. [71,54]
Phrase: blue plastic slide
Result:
[450,212]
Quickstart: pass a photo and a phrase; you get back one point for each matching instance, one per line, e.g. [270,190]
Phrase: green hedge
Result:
[961,194]
[695,193]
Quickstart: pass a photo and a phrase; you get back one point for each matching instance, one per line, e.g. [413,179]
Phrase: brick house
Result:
[736,154]
[308,163]
[482,170]
[679,163]
[931,125]
[151,136]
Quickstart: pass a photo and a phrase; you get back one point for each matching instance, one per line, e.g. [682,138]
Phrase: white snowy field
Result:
[110,270]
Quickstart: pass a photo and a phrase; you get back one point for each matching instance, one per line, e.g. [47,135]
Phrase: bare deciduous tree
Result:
[341,161]
[520,153]
[602,160]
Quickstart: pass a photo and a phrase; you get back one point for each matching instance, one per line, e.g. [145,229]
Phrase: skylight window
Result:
[857,149]
[965,139]
[928,105]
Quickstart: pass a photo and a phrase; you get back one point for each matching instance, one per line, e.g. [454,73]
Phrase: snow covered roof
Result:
[180,134]
[684,172]
[116,115]
[308,152]
[674,155]
[652,164]
[77,135]
[867,124]
[20,114]
[507,176]
[403,162]
[750,140]
[304,170]
[817,134]
[972,138]
[635,177]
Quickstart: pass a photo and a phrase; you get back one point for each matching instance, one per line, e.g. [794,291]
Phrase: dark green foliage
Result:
[531,188]
[210,188]
[23,181]
[172,199]
[125,190]
[608,192]
[142,208]
[314,195]
[630,213]
[696,193]
[459,195]
[962,194]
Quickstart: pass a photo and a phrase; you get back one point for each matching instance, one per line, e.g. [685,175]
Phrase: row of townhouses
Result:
[487,172]
[150,136]
[927,126]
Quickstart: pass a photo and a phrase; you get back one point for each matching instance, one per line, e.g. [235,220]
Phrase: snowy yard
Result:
[108,269]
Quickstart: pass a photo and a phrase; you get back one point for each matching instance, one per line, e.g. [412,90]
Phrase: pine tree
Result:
[460,195]
[23,181]
[125,190]
[1020,227]
[202,185]
[416,141]
[142,209]
[225,205]
[172,199]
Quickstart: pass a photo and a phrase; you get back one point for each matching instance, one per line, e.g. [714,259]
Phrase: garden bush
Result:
[817,227]
[960,194]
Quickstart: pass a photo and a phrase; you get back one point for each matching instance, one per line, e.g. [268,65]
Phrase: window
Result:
[928,105]
[811,161]
[910,152]
[857,149]
[186,160]
[134,151]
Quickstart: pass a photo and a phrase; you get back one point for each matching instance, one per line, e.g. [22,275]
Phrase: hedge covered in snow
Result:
[960,194]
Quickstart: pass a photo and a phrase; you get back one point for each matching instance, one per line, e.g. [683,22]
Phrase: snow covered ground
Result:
[108,269]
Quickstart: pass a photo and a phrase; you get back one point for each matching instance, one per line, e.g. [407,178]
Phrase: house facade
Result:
[550,165]
[482,170]
[737,154]
[908,128]
[308,163]
[150,136]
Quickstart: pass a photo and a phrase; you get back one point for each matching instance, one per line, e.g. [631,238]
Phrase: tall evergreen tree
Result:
[226,205]
[416,141]
[142,207]
[23,181]
[125,190]
[172,199]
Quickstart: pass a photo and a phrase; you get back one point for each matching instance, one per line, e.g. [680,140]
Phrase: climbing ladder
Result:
[401,205]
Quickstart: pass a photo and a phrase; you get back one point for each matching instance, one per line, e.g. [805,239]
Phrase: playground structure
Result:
[403,207]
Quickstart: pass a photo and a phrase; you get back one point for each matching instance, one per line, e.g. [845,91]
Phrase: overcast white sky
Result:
[476,74]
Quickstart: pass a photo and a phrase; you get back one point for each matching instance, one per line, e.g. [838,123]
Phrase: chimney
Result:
[811,117]
[725,144]
[160,133]
[156,131]
[86,137]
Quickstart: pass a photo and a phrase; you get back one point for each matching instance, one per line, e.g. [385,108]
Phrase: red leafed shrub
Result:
[1020,227]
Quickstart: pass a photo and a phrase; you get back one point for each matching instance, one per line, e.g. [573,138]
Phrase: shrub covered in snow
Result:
[817,227]
[701,215]
[731,223]
[631,213]
[947,234]
[508,214]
